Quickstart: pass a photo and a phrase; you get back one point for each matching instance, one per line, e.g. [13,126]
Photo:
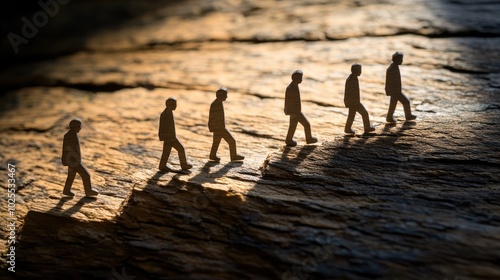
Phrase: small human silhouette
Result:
[393,89]
[217,125]
[71,157]
[167,134]
[352,101]
[293,108]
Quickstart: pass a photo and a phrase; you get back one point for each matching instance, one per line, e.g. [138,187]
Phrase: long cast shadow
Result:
[58,208]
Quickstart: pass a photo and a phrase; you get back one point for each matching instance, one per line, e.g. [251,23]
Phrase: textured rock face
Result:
[415,200]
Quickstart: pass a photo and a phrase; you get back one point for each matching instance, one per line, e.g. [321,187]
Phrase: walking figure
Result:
[293,108]
[352,101]
[167,134]
[217,125]
[394,90]
[71,157]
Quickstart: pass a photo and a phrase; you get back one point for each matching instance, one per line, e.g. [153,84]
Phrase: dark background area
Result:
[78,20]
[71,26]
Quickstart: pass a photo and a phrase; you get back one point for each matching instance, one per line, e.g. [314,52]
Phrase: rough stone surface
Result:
[416,200]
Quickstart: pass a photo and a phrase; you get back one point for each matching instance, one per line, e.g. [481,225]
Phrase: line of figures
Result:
[71,155]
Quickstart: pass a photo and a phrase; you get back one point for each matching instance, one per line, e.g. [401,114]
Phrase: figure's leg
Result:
[182,154]
[291,130]
[366,118]
[84,173]
[232,146]
[350,119]
[406,105]
[307,129]
[69,181]
[167,147]
[230,141]
[215,146]
[392,107]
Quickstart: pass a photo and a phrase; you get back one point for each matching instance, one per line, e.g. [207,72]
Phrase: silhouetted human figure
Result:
[72,158]
[293,108]
[394,90]
[217,125]
[352,101]
[166,133]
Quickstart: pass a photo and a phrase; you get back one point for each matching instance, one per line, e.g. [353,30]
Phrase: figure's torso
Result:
[351,94]
[216,118]
[393,80]
[292,99]
[167,125]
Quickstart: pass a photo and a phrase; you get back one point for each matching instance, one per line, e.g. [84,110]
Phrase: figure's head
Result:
[297,76]
[221,93]
[171,103]
[356,69]
[397,58]
[75,125]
